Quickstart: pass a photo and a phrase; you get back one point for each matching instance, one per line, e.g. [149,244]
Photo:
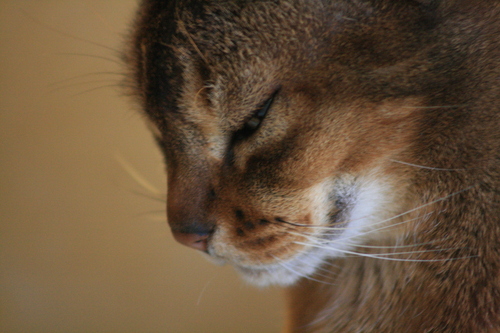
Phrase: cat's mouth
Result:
[285,273]
[279,272]
[305,249]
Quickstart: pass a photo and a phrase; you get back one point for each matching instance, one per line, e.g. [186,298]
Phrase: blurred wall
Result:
[84,247]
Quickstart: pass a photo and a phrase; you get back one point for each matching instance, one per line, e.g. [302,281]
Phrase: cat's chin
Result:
[263,277]
[285,273]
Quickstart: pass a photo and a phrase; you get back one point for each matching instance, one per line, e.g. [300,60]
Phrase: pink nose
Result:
[195,241]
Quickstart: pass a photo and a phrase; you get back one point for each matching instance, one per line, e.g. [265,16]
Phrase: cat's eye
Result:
[254,122]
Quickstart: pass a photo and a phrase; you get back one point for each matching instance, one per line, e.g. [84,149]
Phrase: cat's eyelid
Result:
[263,110]
[252,124]
[259,115]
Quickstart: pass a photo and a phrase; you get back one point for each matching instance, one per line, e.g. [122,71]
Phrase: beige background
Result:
[82,246]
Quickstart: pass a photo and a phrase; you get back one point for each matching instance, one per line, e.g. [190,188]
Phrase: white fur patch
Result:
[366,211]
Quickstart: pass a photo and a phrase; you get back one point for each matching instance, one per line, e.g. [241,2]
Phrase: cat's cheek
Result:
[283,253]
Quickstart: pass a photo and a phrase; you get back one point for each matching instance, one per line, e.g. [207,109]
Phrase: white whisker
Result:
[324,244]
[423,206]
[202,292]
[425,167]
[320,238]
[318,268]
[136,175]
[288,268]
[382,255]
[329,227]
[381,228]
[152,197]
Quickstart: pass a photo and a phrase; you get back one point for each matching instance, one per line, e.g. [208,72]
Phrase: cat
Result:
[348,150]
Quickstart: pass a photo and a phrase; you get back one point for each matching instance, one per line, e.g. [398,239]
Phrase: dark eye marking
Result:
[250,126]
[254,122]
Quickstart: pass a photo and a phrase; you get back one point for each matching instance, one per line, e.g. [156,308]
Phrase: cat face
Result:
[280,125]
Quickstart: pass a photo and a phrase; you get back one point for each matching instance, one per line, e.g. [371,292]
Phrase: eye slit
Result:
[253,123]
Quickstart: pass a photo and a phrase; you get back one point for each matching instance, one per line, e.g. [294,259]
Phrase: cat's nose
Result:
[193,240]
[187,210]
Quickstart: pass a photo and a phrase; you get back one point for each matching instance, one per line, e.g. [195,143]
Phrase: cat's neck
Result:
[413,283]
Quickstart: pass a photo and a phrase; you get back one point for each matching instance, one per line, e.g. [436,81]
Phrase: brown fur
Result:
[399,96]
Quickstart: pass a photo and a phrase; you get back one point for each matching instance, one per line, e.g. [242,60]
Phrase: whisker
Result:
[380,222]
[422,206]
[301,225]
[156,211]
[191,40]
[382,255]
[46,26]
[84,75]
[98,88]
[136,175]
[318,238]
[156,218]
[288,268]
[202,292]
[144,195]
[281,221]
[153,216]
[425,167]
[104,22]
[384,227]
[318,241]
[199,92]
[92,56]
[320,270]
[77,84]
[392,247]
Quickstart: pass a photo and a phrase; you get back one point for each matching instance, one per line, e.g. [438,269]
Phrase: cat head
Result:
[280,122]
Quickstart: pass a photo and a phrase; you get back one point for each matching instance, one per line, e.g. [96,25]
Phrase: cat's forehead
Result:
[221,32]
[207,58]
[228,56]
